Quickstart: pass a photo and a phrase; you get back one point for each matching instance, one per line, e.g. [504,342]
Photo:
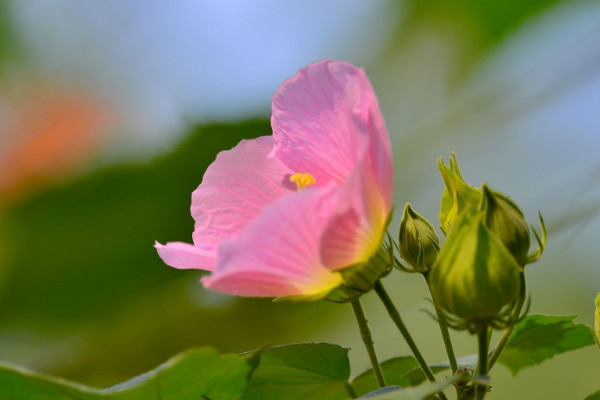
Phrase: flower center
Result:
[302,180]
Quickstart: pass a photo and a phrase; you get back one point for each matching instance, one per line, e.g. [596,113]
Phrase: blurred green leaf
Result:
[421,392]
[594,396]
[469,362]
[395,371]
[488,21]
[402,371]
[405,372]
[301,371]
[597,321]
[195,374]
[538,337]
[9,48]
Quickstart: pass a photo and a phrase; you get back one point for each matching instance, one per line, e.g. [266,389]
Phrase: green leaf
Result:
[380,391]
[395,371]
[489,21]
[469,362]
[421,392]
[196,374]
[301,371]
[10,47]
[597,323]
[539,337]
[405,372]
[402,371]
[594,396]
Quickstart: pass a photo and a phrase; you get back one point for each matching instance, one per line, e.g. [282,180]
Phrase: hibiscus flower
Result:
[284,215]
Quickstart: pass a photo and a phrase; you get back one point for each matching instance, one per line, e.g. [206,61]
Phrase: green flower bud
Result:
[475,280]
[458,197]
[419,245]
[506,220]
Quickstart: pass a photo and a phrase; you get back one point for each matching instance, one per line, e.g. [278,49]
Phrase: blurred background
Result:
[111,111]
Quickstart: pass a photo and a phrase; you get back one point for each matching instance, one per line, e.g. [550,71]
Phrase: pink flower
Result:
[281,215]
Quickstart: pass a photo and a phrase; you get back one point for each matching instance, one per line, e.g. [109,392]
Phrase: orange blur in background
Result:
[46,134]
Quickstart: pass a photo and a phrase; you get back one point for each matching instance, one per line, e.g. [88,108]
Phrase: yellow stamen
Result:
[302,180]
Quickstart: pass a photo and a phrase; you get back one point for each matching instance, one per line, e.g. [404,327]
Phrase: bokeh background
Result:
[111,111]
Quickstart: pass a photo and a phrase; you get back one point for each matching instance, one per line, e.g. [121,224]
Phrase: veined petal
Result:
[355,231]
[278,254]
[184,255]
[323,120]
[379,159]
[234,190]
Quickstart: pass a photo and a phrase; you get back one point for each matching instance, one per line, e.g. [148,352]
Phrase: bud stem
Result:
[508,331]
[367,339]
[482,364]
[395,315]
[445,333]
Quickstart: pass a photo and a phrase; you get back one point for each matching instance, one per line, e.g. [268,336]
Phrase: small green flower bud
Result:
[418,243]
[474,279]
[458,196]
[506,220]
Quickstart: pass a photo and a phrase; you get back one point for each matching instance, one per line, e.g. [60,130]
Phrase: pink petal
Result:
[235,188]
[356,232]
[183,255]
[323,119]
[379,158]
[278,254]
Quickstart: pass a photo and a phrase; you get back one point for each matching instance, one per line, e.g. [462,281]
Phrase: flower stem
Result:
[482,364]
[395,315]
[508,331]
[445,333]
[350,390]
[367,339]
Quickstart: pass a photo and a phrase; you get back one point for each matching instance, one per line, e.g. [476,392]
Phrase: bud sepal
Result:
[458,196]
[541,240]
[360,278]
[504,218]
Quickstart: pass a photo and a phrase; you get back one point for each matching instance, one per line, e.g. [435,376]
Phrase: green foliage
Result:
[402,371]
[395,370]
[538,337]
[469,362]
[322,370]
[301,371]
[295,371]
[422,392]
[594,396]
[597,321]
[405,372]
[487,21]
[9,47]
[195,374]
